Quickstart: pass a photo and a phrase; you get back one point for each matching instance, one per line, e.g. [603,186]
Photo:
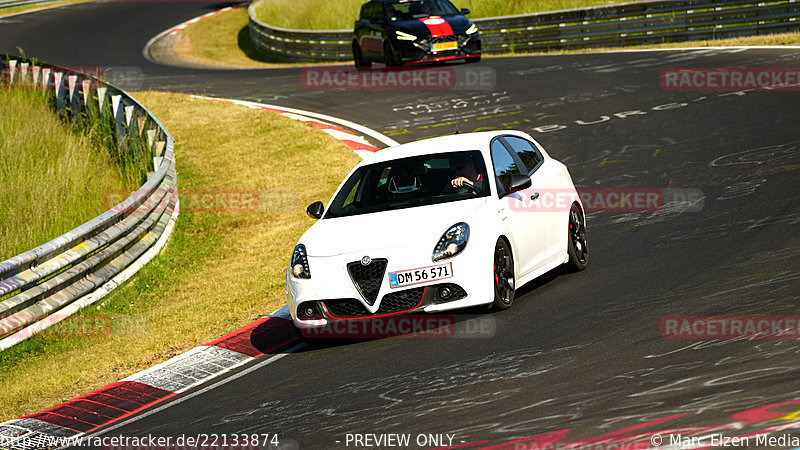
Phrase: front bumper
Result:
[332,295]
[418,52]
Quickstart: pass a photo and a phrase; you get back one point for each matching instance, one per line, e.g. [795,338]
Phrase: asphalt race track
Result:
[580,357]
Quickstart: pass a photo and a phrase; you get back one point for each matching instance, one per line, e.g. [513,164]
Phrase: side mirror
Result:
[315,210]
[519,182]
[465,11]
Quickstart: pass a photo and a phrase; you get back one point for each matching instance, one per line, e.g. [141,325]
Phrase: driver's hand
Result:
[460,181]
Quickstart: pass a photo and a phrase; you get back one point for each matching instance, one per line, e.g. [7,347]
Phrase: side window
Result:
[526,152]
[364,12]
[375,12]
[352,197]
[504,166]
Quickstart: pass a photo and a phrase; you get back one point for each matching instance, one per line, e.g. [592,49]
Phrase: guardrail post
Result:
[118,113]
[12,69]
[36,72]
[58,90]
[46,72]
[23,73]
[101,99]
[74,98]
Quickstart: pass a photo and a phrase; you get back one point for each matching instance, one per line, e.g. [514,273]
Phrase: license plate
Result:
[421,275]
[444,46]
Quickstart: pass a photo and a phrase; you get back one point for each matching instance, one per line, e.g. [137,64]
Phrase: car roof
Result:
[442,144]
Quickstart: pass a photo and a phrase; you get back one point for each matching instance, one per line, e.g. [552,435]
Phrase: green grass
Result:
[223,40]
[220,270]
[53,177]
[341,14]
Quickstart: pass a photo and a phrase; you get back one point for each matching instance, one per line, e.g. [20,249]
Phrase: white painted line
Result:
[345,123]
[180,400]
[345,136]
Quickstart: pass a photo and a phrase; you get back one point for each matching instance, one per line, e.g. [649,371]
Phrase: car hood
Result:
[419,226]
[418,27]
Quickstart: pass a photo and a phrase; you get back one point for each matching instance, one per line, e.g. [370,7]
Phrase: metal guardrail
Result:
[42,286]
[646,22]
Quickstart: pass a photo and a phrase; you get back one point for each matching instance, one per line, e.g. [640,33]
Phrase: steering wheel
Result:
[467,189]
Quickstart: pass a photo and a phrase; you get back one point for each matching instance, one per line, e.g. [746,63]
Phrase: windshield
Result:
[410,182]
[419,9]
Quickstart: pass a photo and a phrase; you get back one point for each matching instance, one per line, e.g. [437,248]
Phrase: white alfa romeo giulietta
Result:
[434,225]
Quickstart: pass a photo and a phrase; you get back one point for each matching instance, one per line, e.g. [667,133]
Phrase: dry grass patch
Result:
[223,40]
[220,270]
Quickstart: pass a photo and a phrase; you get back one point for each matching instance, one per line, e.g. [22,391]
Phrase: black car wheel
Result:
[503,276]
[358,57]
[389,57]
[577,246]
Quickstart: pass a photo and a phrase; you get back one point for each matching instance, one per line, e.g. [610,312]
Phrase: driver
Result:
[466,174]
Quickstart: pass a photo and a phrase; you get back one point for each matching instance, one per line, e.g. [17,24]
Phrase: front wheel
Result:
[503,276]
[358,57]
[389,57]
[577,247]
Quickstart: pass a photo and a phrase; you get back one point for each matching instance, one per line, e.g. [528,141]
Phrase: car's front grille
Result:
[391,303]
[346,307]
[441,39]
[368,278]
[400,301]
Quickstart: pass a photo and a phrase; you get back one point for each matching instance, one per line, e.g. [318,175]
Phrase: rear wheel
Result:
[503,276]
[577,247]
[358,57]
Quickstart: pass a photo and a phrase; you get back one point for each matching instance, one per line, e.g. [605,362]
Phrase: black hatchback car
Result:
[397,32]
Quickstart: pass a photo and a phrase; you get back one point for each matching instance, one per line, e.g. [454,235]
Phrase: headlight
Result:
[406,37]
[452,242]
[472,30]
[300,262]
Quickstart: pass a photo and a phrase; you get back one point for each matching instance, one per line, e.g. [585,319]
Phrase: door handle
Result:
[535,196]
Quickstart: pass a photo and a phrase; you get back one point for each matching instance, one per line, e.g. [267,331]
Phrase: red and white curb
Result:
[182,26]
[64,424]
[334,126]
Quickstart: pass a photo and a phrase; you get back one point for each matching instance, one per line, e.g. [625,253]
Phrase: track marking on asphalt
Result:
[182,399]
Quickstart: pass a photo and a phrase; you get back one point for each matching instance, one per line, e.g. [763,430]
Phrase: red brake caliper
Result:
[496,278]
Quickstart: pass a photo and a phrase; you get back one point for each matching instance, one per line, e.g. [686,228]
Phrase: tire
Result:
[503,276]
[577,246]
[388,55]
[358,57]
